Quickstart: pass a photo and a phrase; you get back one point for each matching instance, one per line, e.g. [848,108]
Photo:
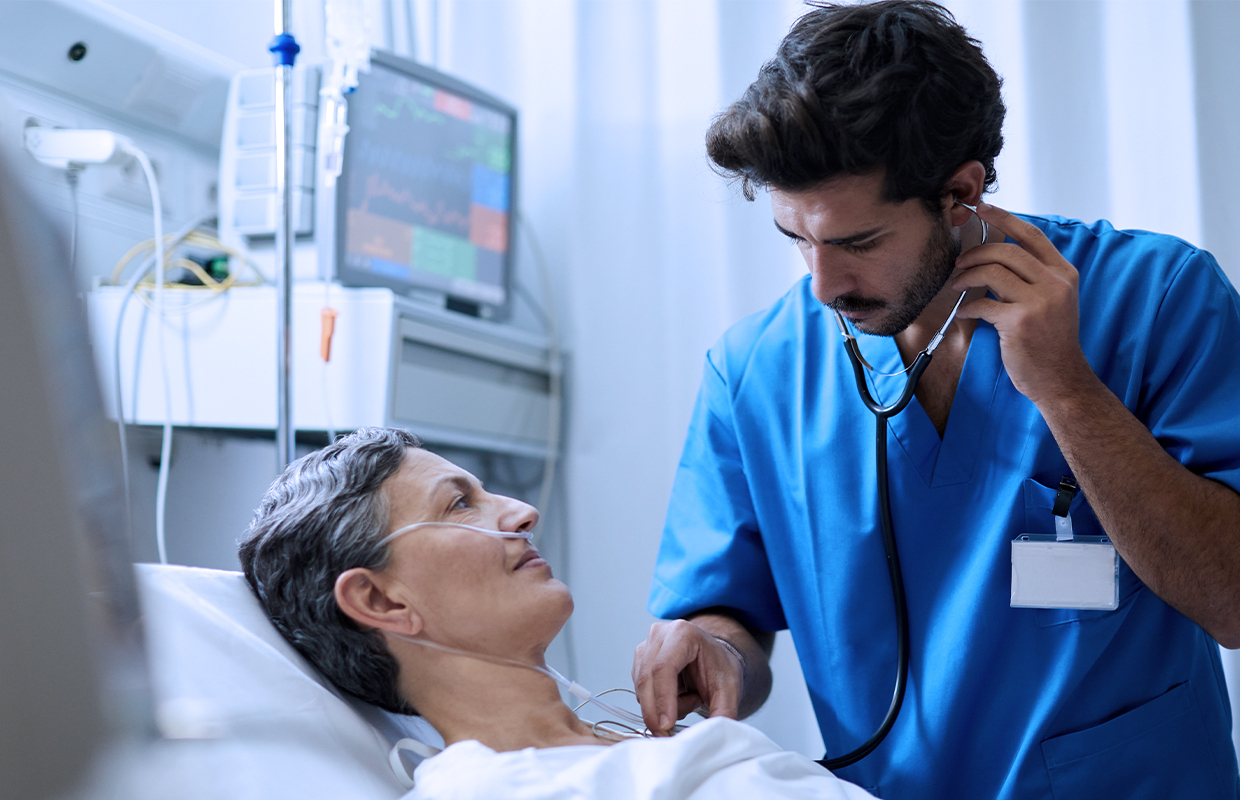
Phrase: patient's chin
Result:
[561,609]
[538,615]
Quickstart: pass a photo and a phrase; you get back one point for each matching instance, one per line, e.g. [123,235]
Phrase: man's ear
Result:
[371,602]
[966,186]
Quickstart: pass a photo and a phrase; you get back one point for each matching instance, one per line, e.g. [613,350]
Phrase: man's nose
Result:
[828,278]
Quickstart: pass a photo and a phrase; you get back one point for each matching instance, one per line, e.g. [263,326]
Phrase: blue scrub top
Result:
[774,513]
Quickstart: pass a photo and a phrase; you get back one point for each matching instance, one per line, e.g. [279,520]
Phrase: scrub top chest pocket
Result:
[1064,569]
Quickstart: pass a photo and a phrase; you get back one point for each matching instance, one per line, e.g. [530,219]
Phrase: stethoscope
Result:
[881,415]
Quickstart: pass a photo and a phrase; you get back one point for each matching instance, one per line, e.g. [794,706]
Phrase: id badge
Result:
[1080,573]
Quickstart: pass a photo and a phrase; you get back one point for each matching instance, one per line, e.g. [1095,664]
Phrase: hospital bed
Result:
[261,722]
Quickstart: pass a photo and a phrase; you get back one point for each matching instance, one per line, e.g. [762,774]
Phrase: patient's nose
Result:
[517,516]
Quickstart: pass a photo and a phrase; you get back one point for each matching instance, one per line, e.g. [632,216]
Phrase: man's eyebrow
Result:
[856,237]
[785,232]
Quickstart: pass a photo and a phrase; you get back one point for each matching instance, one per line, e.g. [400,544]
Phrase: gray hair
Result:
[326,514]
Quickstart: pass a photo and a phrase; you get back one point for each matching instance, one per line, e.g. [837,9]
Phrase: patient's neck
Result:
[503,707]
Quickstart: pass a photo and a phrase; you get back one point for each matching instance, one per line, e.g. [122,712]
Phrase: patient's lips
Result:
[530,558]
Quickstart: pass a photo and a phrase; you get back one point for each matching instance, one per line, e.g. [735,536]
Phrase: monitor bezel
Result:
[348,276]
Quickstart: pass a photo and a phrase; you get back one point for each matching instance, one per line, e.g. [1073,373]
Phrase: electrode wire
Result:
[574,688]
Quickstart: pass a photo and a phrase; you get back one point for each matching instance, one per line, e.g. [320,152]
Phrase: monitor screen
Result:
[425,198]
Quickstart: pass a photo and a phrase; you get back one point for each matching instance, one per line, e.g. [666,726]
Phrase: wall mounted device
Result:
[65,147]
[426,200]
[249,207]
[93,55]
[411,246]
[86,65]
[451,379]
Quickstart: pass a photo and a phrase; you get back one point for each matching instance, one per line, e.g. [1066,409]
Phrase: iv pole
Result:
[284,49]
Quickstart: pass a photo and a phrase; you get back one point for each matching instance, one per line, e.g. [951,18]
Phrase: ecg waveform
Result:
[435,215]
[493,156]
[386,158]
[416,111]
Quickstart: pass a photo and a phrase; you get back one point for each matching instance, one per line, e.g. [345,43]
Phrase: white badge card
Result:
[1081,573]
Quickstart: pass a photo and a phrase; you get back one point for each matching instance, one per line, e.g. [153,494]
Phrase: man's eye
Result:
[460,503]
[857,247]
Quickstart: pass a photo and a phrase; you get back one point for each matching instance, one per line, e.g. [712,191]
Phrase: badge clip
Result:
[1064,570]
[1063,500]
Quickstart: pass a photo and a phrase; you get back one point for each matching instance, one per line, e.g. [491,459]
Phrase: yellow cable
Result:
[198,239]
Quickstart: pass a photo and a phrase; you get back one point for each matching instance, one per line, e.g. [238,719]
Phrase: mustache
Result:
[846,303]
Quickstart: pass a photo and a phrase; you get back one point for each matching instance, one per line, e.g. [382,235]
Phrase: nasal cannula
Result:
[573,688]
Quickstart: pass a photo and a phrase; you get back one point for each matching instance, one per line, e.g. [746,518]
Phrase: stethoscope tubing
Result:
[881,415]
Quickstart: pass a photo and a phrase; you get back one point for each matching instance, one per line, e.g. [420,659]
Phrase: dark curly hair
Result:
[897,86]
[326,514]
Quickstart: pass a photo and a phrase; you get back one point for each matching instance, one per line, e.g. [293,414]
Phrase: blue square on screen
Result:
[389,268]
[490,188]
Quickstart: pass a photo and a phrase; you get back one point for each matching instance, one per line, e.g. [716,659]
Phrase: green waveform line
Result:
[415,110]
[488,150]
[491,156]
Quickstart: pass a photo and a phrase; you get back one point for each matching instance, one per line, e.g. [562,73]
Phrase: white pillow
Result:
[222,672]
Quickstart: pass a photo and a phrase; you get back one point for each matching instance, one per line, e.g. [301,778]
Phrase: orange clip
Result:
[328,319]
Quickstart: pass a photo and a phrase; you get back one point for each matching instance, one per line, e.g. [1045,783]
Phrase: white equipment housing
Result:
[451,379]
[249,204]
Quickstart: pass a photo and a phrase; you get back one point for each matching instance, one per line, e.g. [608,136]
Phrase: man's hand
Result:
[703,665]
[1175,529]
[1033,308]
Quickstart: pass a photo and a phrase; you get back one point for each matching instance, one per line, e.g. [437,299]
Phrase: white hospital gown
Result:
[719,759]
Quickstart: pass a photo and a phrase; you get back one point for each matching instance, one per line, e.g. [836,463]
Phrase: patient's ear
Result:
[370,602]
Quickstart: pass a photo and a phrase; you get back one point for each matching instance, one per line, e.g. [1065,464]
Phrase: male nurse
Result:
[1108,358]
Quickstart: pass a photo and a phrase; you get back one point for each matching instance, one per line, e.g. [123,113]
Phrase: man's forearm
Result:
[1179,532]
[754,649]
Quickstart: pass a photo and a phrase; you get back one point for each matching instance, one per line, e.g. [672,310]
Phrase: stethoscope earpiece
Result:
[985,227]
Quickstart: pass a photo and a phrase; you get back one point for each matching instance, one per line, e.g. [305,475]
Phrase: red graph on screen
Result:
[434,215]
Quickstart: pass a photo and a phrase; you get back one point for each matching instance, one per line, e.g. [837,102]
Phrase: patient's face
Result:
[473,591]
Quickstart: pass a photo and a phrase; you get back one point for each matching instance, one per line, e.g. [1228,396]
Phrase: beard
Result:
[938,262]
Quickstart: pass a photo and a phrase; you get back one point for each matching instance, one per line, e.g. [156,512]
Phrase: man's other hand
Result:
[710,664]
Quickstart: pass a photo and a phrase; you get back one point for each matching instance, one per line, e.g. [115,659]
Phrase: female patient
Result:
[356,604]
